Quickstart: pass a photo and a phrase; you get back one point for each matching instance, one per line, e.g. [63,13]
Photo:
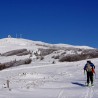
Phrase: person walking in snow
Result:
[89,69]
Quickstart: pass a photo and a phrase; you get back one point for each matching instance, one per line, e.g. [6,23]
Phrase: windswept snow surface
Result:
[16,43]
[40,80]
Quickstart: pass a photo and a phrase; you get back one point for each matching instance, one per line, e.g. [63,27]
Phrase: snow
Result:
[35,44]
[67,45]
[41,79]
[61,80]
[8,44]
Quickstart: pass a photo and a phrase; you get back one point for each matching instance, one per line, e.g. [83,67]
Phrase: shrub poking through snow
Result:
[18,52]
[15,63]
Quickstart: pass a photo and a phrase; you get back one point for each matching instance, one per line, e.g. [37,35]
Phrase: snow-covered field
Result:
[46,80]
[62,80]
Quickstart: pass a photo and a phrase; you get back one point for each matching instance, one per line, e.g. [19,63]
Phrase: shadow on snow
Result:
[79,84]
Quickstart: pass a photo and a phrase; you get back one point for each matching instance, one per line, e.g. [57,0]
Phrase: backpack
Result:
[89,68]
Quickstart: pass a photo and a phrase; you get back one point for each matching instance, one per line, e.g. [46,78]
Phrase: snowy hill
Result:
[36,44]
[66,45]
[44,51]
[41,78]
[7,44]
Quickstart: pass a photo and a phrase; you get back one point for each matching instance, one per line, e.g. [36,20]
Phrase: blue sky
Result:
[54,21]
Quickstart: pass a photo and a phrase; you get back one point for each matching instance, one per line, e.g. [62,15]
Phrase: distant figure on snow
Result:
[89,68]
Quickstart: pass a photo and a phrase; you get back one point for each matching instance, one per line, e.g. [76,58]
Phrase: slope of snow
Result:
[26,43]
[61,80]
[8,44]
[20,41]
[67,45]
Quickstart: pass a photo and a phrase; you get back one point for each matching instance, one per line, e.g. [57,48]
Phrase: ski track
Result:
[89,92]
[61,93]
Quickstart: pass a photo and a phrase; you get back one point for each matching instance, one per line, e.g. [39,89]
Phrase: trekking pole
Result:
[93,70]
[85,77]
[95,76]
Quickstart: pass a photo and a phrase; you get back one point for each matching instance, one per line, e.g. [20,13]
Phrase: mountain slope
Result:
[41,79]
[61,80]
[25,42]
[46,52]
